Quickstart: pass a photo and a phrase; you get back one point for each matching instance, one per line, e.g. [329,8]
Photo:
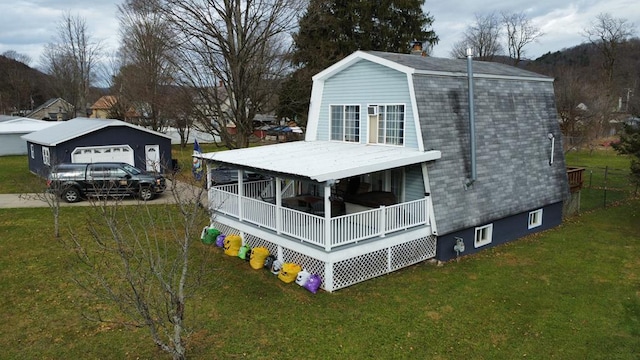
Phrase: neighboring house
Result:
[385,176]
[97,140]
[101,109]
[56,109]
[11,131]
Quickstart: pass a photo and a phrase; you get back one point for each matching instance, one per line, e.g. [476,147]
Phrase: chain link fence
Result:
[604,186]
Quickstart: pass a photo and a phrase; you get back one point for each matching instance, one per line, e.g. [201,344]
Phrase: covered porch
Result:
[303,208]
[311,219]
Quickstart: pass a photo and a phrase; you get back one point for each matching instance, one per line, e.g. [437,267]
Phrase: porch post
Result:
[327,216]
[208,166]
[240,192]
[328,276]
[431,219]
[278,196]
[382,219]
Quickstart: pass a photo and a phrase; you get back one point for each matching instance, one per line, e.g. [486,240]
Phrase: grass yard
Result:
[183,155]
[569,293]
[600,157]
[15,177]
[606,177]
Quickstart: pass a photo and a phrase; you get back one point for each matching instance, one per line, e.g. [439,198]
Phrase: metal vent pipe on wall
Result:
[472,120]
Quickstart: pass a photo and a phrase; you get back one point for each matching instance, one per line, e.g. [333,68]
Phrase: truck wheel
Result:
[146,193]
[71,195]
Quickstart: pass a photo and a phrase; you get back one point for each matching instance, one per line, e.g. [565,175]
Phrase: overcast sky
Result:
[27,25]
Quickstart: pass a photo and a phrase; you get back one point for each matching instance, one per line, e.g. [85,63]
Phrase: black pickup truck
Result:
[72,182]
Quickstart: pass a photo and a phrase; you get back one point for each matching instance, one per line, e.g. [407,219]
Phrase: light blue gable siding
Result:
[366,83]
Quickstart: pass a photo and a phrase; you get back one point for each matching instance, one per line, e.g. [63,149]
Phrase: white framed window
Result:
[32,151]
[345,123]
[484,235]
[391,124]
[45,156]
[535,218]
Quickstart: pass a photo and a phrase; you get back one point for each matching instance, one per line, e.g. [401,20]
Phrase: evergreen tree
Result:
[630,145]
[332,29]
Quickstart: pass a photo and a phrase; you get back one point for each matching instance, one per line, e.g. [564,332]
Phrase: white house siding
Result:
[387,86]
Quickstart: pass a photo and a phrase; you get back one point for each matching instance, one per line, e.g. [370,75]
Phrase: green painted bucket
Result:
[210,236]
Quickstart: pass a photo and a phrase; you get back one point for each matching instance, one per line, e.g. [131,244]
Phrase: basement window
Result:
[484,235]
[535,218]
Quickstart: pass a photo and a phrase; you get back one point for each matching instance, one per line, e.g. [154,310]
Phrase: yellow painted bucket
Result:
[232,244]
[258,255]
[289,272]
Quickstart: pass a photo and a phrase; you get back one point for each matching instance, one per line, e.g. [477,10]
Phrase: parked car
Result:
[223,175]
[72,182]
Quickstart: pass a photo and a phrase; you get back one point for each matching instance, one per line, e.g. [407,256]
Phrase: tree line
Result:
[208,64]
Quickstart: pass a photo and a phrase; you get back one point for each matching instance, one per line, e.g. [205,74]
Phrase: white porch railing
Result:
[304,226]
[345,229]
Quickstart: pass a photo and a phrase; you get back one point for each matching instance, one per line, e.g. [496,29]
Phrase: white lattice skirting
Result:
[352,270]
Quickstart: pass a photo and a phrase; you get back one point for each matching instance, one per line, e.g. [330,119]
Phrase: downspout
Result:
[472,121]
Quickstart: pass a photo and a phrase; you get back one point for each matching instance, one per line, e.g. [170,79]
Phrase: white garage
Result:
[109,153]
[13,128]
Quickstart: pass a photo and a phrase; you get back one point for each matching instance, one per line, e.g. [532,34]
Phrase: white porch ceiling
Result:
[321,160]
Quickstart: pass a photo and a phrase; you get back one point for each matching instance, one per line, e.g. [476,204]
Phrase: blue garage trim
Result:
[504,230]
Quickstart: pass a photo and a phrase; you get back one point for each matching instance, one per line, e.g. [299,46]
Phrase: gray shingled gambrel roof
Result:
[67,130]
[513,120]
[457,66]
[415,64]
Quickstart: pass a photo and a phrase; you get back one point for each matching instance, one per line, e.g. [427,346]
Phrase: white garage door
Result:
[111,153]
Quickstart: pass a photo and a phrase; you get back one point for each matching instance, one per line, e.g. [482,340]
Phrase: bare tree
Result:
[520,32]
[573,112]
[138,260]
[233,54]
[482,37]
[47,193]
[14,55]
[18,95]
[72,59]
[148,61]
[606,33]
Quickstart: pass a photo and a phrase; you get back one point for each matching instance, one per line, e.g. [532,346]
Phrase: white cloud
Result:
[562,23]
[27,25]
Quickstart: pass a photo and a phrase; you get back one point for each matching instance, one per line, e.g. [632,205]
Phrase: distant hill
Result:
[587,61]
[20,84]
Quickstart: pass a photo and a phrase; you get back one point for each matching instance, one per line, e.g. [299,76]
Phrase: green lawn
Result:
[599,157]
[15,177]
[569,293]
[606,177]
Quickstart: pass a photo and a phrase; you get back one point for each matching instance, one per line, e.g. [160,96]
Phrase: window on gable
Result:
[535,218]
[391,124]
[484,235]
[345,123]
